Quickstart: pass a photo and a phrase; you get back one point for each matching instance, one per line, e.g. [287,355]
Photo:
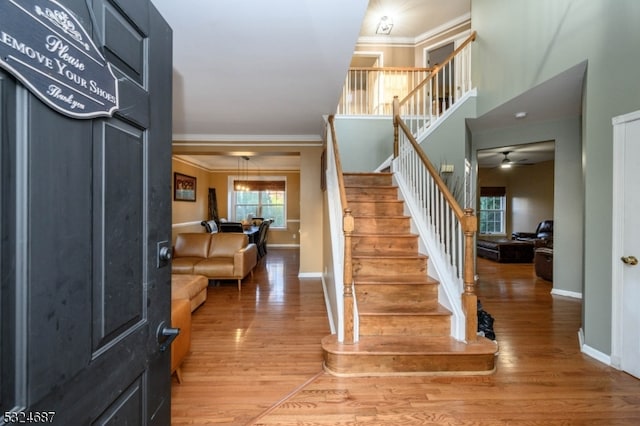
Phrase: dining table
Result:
[252,233]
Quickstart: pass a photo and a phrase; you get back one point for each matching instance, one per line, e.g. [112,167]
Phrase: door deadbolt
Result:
[164,253]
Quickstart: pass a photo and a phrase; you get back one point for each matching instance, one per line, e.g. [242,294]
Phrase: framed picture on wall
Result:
[184,187]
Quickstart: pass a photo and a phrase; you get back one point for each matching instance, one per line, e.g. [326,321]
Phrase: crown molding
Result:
[250,139]
[413,41]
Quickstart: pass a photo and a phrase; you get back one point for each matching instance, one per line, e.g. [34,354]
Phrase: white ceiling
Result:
[518,155]
[256,72]
[269,70]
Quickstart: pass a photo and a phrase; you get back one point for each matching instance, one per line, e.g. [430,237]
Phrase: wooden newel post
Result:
[347,227]
[396,112]
[469,297]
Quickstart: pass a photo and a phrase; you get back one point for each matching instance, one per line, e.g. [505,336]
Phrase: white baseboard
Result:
[575,295]
[310,275]
[593,353]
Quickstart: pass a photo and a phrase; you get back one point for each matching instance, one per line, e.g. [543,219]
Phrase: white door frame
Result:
[617,272]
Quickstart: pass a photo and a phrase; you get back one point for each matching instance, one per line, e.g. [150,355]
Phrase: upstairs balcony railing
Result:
[370,91]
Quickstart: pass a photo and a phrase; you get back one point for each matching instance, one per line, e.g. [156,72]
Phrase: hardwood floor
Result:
[256,359]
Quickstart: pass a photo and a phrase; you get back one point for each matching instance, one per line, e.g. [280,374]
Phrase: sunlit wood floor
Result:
[256,359]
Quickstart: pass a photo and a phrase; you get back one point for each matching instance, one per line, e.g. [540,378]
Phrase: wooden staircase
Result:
[403,328]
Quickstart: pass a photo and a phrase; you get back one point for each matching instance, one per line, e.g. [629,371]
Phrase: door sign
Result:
[45,47]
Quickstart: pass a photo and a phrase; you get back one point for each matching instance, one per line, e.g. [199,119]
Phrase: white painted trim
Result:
[179,225]
[372,53]
[327,302]
[566,293]
[413,41]
[310,275]
[617,234]
[195,137]
[593,353]
[625,118]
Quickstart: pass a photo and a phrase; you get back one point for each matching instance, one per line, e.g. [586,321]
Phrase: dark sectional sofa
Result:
[505,251]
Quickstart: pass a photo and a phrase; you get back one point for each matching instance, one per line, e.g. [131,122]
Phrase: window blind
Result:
[493,191]
[259,185]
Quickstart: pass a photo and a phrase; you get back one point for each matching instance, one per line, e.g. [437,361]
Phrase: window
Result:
[259,198]
[493,206]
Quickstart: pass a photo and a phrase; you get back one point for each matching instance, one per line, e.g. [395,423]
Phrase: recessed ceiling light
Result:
[521,114]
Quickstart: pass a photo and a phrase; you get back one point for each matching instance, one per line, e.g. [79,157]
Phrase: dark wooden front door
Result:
[85,208]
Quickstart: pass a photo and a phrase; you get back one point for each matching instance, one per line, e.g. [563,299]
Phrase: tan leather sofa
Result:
[220,256]
[180,318]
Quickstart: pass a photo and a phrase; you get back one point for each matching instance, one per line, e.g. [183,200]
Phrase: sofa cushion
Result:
[183,265]
[215,267]
[192,245]
[226,244]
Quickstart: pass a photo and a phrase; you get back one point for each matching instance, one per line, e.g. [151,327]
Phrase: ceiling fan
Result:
[507,163]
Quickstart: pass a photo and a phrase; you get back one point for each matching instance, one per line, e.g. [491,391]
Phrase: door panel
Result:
[119,293]
[125,45]
[84,204]
[625,280]
[631,247]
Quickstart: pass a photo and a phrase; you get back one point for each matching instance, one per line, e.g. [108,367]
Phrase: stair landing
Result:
[407,355]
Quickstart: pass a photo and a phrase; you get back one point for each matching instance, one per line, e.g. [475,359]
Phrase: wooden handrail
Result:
[451,200]
[343,193]
[437,68]
[348,224]
[468,222]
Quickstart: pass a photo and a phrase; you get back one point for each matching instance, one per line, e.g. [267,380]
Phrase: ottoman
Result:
[505,251]
[190,287]
[543,263]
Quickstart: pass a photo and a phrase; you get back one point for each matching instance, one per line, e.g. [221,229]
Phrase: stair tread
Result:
[367,185]
[367,173]
[389,256]
[410,345]
[404,310]
[380,216]
[378,201]
[400,279]
[377,234]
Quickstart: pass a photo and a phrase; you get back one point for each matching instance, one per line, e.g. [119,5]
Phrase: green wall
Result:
[445,144]
[364,143]
[567,194]
[522,43]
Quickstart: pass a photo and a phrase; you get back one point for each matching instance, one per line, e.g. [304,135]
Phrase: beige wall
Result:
[391,56]
[277,236]
[187,215]
[413,56]
[529,193]
[311,212]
